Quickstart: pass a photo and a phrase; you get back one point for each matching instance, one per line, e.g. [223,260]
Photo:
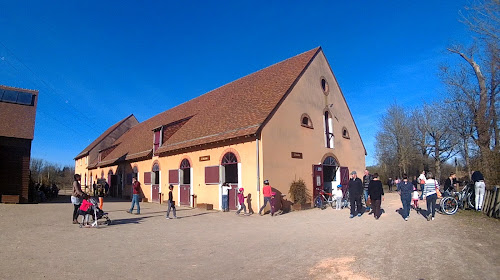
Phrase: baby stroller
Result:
[92,211]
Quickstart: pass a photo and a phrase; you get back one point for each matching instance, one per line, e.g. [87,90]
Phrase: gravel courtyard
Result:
[38,241]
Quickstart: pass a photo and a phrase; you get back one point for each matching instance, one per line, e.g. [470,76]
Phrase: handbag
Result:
[368,202]
[438,192]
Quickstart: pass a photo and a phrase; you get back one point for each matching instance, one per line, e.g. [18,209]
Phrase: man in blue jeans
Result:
[136,196]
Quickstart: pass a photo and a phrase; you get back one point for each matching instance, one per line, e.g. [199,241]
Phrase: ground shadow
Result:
[135,220]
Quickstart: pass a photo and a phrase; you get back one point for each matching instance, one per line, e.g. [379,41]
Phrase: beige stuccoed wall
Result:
[284,134]
[246,153]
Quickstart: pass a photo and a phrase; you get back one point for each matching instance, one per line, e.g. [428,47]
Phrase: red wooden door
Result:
[185,192]
[155,190]
[232,196]
[344,178]
[317,179]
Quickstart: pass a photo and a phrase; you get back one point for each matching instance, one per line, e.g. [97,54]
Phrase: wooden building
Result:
[285,122]
[17,126]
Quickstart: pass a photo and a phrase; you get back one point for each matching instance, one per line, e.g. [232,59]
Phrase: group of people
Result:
[370,187]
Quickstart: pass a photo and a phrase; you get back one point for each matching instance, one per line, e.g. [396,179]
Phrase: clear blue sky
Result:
[96,62]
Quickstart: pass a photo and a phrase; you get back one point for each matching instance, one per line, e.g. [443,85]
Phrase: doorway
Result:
[230,171]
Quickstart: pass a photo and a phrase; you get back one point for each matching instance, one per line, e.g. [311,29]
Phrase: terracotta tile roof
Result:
[17,121]
[237,109]
[101,137]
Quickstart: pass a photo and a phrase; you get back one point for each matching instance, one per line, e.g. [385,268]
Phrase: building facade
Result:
[17,127]
[285,122]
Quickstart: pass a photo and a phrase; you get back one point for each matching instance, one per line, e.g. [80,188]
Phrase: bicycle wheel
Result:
[471,200]
[333,203]
[318,202]
[449,205]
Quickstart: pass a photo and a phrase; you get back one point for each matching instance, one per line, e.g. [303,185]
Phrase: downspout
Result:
[258,173]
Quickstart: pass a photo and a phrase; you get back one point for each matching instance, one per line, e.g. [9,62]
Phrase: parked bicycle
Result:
[323,199]
[452,201]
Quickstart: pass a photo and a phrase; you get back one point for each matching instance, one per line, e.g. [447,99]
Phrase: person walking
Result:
[355,193]
[241,201]
[100,194]
[366,181]
[480,188]
[266,190]
[430,195]
[405,189]
[389,183]
[421,180]
[376,192]
[225,197]
[171,203]
[76,197]
[136,196]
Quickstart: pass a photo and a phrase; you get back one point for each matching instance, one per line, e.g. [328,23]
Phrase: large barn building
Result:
[285,122]
[17,128]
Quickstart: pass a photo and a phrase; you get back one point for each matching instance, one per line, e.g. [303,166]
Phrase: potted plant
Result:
[299,195]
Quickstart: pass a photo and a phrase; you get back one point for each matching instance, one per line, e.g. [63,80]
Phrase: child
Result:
[85,208]
[337,194]
[414,198]
[241,200]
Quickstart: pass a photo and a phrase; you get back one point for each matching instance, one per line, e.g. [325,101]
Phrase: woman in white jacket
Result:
[430,195]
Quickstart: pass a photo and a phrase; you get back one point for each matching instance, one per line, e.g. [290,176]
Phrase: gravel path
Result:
[38,241]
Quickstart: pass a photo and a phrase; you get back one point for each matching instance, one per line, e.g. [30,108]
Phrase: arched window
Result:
[230,163]
[330,161]
[229,158]
[305,121]
[185,172]
[329,130]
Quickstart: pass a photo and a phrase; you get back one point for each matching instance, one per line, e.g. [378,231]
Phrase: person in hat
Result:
[266,190]
[355,192]
[241,200]
[338,195]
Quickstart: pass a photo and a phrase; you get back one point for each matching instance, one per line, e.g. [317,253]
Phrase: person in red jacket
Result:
[136,188]
[266,190]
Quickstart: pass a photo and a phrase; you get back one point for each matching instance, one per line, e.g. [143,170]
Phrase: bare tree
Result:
[475,83]
[395,149]
[440,139]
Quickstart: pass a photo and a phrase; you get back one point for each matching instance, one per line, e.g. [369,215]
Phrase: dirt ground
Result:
[38,241]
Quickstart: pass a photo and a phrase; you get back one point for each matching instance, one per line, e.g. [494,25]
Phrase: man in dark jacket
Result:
[355,192]
[405,189]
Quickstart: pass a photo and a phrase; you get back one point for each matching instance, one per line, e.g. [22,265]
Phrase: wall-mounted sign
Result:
[296,155]
[204,158]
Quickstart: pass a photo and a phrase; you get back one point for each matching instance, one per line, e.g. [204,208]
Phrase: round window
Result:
[324,86]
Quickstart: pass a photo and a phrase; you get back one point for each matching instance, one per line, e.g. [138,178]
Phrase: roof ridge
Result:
[232,82]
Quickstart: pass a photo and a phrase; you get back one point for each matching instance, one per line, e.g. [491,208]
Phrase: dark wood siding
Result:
[173,176]
[147,178]
[14,167]
[212,175]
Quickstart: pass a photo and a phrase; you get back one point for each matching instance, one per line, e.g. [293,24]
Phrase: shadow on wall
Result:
[249,203]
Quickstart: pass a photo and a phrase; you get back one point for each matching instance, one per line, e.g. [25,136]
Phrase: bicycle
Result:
[321,200]
[452,201]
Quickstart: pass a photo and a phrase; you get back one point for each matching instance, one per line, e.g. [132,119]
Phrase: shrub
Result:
[299,192]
